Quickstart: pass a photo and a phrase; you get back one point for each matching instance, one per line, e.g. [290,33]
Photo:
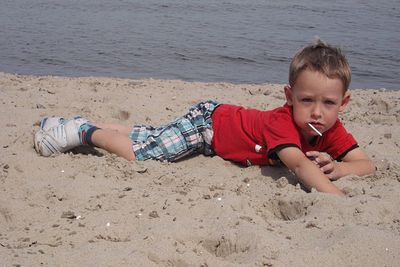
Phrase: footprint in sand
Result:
[290,209]
[224,246]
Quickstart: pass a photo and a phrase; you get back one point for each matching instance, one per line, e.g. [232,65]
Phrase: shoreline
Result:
[88,209]
[2,73]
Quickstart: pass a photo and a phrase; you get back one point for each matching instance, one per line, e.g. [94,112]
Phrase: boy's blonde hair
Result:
[323,58]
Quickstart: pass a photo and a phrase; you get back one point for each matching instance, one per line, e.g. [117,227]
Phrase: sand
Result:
[95,209]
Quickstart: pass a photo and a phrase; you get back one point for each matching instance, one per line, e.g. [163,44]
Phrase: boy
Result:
[305,134]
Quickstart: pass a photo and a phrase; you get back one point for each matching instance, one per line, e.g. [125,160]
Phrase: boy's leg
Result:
[113,142]
[58,135]
[114,139]
[111,137]
[115,127]
[49,122]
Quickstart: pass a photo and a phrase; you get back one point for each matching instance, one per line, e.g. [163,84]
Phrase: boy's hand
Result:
[355,162]
[325,162]
[308,173]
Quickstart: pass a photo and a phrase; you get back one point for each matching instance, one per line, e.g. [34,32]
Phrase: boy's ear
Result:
[345,101]
[289,95]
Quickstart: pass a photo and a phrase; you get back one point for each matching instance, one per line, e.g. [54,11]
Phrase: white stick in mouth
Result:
[315,129]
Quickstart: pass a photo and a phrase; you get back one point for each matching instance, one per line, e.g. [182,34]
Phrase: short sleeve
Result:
[339,142]
[281,131]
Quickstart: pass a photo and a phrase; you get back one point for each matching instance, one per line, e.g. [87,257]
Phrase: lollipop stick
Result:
[315,129]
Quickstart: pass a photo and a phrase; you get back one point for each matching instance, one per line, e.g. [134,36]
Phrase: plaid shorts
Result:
[189,134]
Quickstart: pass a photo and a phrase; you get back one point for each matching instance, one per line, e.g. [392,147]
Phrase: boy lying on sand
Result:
[305,134]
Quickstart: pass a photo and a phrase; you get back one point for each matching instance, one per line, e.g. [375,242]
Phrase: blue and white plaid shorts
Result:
[189,134]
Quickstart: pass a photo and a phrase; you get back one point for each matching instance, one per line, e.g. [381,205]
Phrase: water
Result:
[239,41]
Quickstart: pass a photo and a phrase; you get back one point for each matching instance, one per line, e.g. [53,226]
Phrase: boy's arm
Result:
[308,172]
[355,162]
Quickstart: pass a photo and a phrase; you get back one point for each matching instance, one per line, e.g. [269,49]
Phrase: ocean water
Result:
[239,41]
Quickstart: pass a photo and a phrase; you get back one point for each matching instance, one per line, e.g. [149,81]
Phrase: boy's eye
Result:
[306,100]
[330,102]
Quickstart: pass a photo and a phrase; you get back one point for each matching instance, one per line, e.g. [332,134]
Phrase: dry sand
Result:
[99,210]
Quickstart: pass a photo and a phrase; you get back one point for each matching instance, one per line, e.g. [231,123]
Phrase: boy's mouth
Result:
[313,126]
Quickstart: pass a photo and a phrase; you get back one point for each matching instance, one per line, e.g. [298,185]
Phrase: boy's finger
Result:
[313,156]
[324,161]
[328,168]
[312,153]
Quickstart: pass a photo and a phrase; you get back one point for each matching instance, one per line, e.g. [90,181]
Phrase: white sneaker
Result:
[49,122]
[59,138]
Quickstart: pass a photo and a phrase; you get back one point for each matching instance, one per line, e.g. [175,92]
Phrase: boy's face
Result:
[316,99]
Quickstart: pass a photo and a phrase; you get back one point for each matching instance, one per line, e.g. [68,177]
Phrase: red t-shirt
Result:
[252,137]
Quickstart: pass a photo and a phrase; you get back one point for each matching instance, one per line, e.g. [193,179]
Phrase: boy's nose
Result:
[316,111]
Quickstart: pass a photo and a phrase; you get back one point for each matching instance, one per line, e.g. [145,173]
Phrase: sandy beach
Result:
[91,208]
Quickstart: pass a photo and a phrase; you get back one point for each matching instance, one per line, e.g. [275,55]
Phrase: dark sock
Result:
[85,134]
